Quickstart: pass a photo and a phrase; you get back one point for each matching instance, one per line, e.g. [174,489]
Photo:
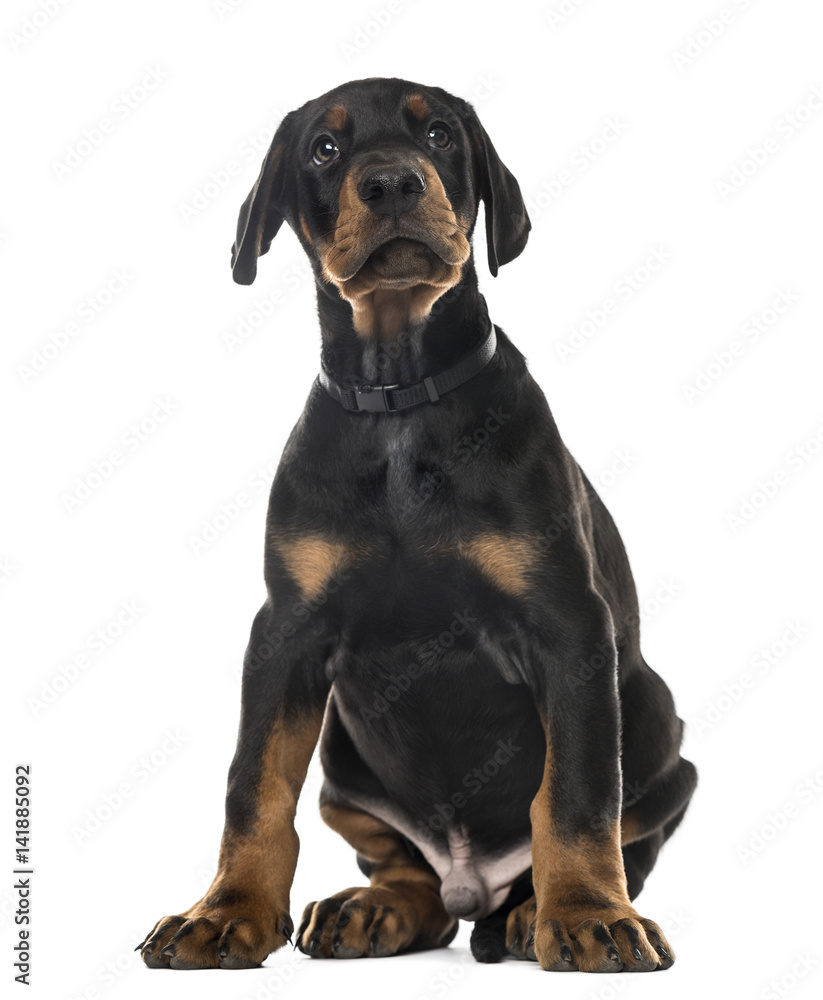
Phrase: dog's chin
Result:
[402,263]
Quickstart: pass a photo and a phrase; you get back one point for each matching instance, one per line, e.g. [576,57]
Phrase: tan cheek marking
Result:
[336,117]
[350,203]
[505,560]
[305,227]
[436,208]
[311,561]
[352,214]
[419,106]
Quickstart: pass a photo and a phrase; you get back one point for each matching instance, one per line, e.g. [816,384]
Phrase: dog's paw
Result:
[371,922]
[598,943]
[236,936]
[520,931]
[354,924]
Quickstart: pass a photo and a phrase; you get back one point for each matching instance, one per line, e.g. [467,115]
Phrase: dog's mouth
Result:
[396,254]
[401,262]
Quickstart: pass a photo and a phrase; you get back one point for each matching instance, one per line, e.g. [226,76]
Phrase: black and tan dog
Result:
[450,609]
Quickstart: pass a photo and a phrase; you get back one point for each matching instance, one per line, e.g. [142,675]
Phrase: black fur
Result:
[404,488]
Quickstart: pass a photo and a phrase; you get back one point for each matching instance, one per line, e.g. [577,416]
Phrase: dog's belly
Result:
[450,756]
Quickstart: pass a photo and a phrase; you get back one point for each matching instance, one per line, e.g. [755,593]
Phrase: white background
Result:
[716,593]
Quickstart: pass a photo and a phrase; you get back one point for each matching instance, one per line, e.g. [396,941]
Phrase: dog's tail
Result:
[488,941]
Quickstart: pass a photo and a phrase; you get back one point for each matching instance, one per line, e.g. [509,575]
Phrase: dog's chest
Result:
[412,472]
[424,484]
[419,521]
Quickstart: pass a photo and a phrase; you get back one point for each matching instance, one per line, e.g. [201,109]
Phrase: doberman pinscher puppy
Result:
[450,609]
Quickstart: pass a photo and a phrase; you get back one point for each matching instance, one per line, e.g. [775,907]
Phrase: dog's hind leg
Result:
[400,911]
[657,782]
[648,824]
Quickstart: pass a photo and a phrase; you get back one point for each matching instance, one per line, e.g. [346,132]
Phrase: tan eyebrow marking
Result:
[419,106]
[336,117]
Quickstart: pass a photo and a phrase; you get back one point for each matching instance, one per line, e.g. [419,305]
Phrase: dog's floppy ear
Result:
[507,221]
[263,212]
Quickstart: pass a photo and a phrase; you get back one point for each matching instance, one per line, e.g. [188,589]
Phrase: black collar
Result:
[388,398]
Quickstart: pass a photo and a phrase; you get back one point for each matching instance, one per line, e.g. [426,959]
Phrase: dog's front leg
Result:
[245,914]
[581,916]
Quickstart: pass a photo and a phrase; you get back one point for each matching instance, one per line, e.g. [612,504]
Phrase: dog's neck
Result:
[458,322]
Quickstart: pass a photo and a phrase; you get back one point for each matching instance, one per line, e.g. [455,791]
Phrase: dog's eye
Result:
[325,151]
[439,136]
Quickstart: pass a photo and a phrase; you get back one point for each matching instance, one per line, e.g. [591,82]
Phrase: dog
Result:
[450,611]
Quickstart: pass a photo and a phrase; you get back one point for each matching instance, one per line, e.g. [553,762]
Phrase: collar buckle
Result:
[375,398]
[391,398]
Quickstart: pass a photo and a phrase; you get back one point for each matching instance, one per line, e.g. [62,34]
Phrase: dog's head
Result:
[381,181]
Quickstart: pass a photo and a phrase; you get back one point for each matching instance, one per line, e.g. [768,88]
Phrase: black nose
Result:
[391,189]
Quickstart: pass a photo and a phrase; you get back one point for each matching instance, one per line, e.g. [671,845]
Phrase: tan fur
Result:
[370,837]
[589,863]
[579,884]
[304,225]
[336,118]
[519,933]
[589,866]
[249,897]
[401,905]
[419,106]
[504,559]
[631,827]
[312,560]
[268,854]
[387,312]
